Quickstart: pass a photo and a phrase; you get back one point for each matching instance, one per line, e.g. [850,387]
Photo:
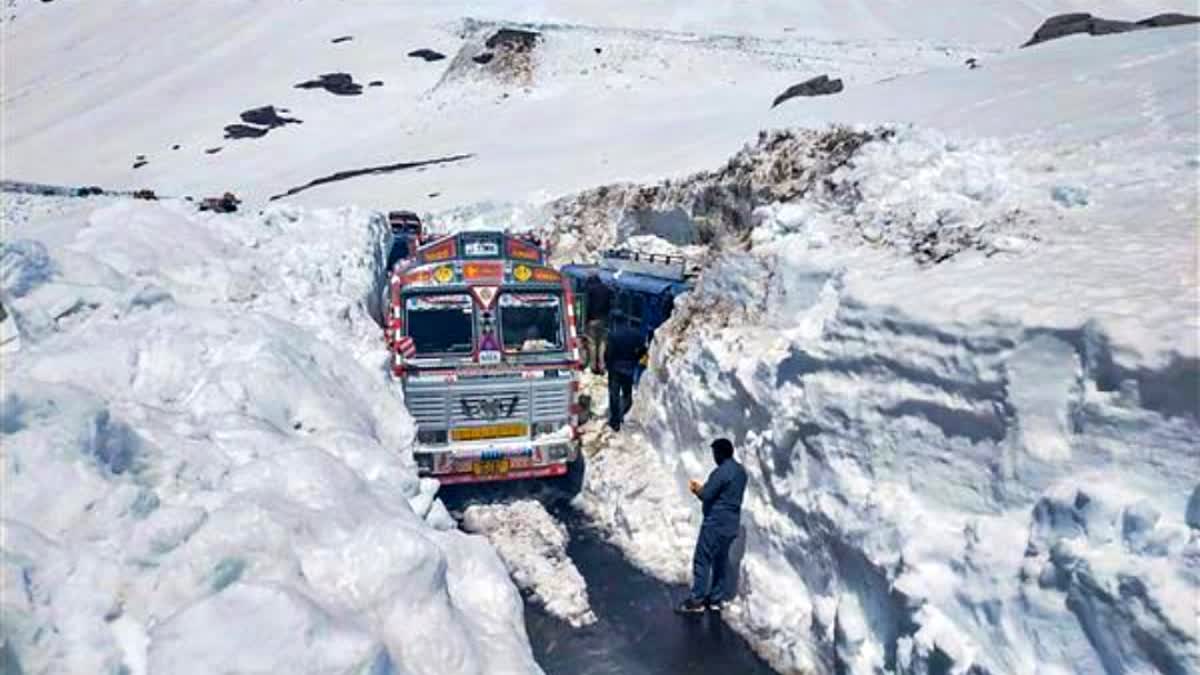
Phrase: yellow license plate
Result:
[490,467]
[489,431]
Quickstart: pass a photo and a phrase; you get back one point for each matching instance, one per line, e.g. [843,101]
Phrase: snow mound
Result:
[922,496]
[534,548]
[984,465]
[212,390]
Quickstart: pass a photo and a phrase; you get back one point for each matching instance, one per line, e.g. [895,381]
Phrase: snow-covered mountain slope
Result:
[203,459]
[668,90]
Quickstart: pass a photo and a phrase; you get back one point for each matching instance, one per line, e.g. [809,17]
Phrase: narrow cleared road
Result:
[636,632]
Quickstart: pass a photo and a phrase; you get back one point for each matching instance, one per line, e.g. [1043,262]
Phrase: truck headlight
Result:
[547,428]
[431,436]
[424,462]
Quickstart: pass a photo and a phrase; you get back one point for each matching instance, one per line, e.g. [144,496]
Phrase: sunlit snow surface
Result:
[205,465]
[985,463]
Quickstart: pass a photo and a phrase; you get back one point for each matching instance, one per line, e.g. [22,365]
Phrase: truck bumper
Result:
[456,464]
[549,471]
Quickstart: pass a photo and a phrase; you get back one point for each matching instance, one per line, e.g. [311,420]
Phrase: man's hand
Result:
[695,486]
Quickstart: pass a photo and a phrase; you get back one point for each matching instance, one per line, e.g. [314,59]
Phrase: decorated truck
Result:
[483,338]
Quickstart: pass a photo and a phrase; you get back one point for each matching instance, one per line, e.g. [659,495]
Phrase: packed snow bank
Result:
[962,494]
[534,548]
[205,467]
[984,462]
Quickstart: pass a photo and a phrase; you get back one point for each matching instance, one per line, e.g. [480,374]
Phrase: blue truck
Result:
[644,287]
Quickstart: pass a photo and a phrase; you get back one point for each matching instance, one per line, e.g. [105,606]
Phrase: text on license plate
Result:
[490,467]
[489,431]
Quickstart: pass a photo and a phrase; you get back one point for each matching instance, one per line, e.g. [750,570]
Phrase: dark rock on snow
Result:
[235,131]
[267,116]
[817,86]
[1169,19]
[343,38]
[427,54]
[213,151]
[342,84]
[1063,25]
[226,203]
[517,40]
[483,58]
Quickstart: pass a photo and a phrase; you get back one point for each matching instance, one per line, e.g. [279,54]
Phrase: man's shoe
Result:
[690,606]
[716,605]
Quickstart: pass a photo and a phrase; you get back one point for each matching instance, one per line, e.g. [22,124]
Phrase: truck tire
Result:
[571,484]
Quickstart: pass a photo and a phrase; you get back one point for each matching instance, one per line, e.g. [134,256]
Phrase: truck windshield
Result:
[531,322]
[440,324]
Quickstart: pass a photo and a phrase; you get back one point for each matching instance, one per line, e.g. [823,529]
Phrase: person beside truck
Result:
[623,354]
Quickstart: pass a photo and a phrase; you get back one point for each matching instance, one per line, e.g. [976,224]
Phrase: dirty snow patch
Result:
[534,548]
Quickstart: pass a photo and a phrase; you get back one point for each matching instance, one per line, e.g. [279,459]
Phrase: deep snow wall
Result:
[961,371]
[205,465]
[924,498]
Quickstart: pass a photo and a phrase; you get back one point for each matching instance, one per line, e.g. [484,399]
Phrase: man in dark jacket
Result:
[599,300]
[622,354]
[721,499]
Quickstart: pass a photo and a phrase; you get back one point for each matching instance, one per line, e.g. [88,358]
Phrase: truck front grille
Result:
[469,407]
[448,406]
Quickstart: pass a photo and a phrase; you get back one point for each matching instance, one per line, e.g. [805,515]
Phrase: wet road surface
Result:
[636,632]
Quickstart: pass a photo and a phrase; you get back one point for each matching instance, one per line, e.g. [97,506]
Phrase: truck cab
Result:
[483,339]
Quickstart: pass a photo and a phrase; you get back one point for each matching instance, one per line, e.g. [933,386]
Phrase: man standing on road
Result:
[721,499]
[599,300]
[622,354]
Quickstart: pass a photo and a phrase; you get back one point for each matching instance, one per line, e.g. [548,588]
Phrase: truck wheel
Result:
[570,484]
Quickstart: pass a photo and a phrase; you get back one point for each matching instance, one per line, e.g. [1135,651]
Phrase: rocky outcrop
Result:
[820,85]
[1063,25]
[341,84]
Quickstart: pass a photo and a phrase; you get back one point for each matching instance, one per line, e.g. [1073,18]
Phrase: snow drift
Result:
[205,465]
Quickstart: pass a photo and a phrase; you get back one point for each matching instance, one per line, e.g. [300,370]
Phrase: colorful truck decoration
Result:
[483,338]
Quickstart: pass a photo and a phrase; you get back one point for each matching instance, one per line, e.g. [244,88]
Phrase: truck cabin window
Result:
[531,322]
[440,324]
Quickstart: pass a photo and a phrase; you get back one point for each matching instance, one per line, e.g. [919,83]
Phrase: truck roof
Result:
[486,245]
[480,259]
[642,283]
